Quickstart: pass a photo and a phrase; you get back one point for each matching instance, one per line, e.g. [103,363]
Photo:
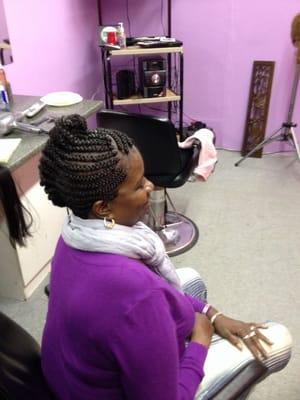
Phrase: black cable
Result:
[161,17]
[128,19]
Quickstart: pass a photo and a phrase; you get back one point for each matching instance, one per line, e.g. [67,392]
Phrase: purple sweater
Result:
[115,330]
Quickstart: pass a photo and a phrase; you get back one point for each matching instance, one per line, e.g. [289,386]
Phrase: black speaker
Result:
[125,83]
[153,64]
[154,91]
[152,77]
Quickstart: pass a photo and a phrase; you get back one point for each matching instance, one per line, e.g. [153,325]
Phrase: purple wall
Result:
[55,48]
[3,27]
[228,37]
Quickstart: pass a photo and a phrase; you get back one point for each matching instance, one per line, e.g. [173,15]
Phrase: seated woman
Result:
[121,323]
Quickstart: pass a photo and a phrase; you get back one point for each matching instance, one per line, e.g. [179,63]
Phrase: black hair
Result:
[80,166]
[14,211]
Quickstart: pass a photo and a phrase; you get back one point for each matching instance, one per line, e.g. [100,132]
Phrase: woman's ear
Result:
[100,209]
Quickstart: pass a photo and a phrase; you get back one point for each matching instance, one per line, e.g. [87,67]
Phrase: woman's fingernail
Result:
[239,346]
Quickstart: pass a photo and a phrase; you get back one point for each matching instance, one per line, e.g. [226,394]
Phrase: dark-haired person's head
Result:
[18,218]
[97,173]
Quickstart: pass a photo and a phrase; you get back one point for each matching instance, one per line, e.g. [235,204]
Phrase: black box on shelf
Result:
[153,76]
[154,91]
[125,83]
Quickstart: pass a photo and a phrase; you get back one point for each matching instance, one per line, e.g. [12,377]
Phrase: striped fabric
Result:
[224,361]
[192,283]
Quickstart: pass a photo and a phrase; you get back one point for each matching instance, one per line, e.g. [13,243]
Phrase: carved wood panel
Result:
[258,106]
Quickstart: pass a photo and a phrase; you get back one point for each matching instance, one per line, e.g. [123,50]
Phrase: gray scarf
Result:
[137,241]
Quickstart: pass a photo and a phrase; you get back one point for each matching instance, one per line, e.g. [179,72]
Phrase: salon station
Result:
[140,100]
[140,78]
[24,268]
[145,69]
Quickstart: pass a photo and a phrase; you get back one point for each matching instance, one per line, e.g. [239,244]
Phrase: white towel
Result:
[7,148]
[208,153]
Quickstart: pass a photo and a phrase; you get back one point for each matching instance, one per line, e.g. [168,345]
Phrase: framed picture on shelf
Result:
[107,35]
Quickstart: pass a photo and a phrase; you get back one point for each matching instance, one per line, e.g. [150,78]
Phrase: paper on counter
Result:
[7,147]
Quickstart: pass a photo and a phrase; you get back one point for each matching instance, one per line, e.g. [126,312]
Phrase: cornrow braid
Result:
[80,166]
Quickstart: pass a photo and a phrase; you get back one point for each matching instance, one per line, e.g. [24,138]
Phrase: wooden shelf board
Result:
[138,99]
[136,50]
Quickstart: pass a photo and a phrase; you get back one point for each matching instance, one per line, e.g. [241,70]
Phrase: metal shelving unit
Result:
[171,95]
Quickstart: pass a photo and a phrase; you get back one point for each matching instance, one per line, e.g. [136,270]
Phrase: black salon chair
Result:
[167,166]
[21,374]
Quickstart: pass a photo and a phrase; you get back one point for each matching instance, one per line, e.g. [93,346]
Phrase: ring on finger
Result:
[250,335]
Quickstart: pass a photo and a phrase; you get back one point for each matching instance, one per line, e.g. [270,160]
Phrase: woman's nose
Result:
[149,186]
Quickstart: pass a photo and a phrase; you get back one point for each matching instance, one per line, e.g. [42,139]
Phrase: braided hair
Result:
[80,166]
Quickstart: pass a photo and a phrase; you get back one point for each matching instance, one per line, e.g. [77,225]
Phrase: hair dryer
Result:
[10,121]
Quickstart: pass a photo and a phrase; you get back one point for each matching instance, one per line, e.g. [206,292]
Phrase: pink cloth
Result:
[208,153]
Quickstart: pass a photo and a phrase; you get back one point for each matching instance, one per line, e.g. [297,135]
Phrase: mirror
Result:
[5,48]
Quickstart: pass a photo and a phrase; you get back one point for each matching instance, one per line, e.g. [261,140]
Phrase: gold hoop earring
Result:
[109,225]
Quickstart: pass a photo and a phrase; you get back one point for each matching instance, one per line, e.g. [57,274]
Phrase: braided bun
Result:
[80,166]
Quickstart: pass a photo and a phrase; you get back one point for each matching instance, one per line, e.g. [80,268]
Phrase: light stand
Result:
[286,132]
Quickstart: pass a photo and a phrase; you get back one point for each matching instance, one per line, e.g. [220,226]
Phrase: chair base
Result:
[179,233]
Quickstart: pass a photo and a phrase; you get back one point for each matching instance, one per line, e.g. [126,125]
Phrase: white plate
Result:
[61,99]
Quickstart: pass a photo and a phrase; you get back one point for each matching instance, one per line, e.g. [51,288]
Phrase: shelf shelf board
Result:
[138,99]
[136,50]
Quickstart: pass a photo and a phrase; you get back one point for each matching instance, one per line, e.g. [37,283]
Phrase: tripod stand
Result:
[286,132]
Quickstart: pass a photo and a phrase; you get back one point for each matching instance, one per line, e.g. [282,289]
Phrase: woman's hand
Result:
[202,330]
[238,332]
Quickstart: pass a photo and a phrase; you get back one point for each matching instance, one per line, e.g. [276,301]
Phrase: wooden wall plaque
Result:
[258,106]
